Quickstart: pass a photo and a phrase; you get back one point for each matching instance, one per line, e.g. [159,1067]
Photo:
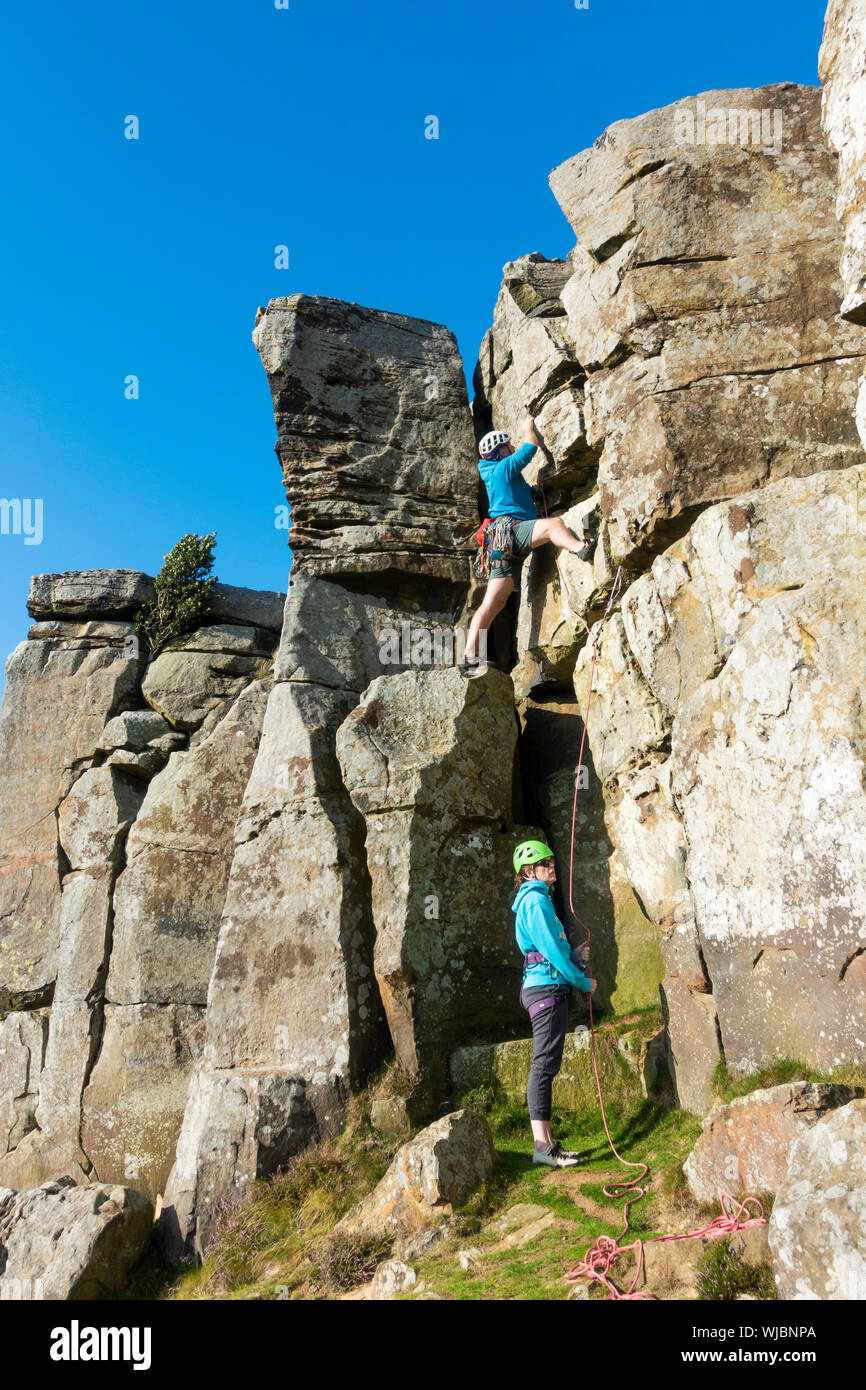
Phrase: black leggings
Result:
[549,1028]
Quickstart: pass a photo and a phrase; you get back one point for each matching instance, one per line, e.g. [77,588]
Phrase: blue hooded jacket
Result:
[538,928]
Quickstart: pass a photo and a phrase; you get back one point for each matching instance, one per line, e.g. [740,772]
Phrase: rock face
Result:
[759,656]
[819,1216]
[387,489]
[116,890]
[711,366]
[842,70]
[379,484]
[435,1172]
[427,758]
[63,1242]
[746,1146]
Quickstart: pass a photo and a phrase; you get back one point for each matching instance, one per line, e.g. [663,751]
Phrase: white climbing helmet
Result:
[491,442]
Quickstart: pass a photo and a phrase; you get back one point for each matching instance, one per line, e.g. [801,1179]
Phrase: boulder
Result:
[380,479]
[248,607]
[712,365]
[193,682]
[842,73]
[746,1146]
[88,594]
[430,1175]
[818,1224]
[135,729]
[61,1242]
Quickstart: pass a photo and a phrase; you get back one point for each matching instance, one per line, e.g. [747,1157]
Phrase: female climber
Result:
[550,967]
[515,528]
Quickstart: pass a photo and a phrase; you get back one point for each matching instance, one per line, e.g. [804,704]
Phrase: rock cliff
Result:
[233,878]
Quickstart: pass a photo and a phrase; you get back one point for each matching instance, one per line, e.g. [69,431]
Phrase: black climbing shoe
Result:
[557,1157]
[587,550]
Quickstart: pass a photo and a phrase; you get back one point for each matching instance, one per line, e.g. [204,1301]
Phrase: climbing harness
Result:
[599,1258]
[495,544]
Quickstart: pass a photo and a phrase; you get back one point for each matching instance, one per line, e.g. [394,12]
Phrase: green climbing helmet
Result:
[531,852]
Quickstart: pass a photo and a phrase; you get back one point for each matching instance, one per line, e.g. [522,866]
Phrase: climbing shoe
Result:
[587,550]
[557,1157]
[471,669]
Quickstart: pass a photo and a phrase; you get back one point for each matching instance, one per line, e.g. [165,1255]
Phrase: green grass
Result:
[276,1245]
[728,1086]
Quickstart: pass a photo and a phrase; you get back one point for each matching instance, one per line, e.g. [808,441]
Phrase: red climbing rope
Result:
[600,1257]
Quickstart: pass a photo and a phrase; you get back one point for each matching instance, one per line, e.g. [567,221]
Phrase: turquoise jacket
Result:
[508,492]
[538,928]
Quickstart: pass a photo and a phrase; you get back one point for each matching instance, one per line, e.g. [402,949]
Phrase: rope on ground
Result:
[600,1257]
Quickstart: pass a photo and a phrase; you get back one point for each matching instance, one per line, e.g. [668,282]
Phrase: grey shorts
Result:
[521,541]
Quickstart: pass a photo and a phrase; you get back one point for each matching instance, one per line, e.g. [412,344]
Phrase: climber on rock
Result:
[550,967]
[513,530]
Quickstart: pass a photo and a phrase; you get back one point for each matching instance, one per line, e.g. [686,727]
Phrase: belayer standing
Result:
[515,526]
[551,967]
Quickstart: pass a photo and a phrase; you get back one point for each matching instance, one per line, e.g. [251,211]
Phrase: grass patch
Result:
[729,1086]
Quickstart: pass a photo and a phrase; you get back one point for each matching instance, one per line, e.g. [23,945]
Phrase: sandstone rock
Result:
[842,72]
[819,1216]
[169,898]
[88,593]
[712,366]
[248,607]
[134,1102]
[95,817]
[237,1124]
[626,720]
[55,706]
[291,1010]
[427,758]
[691,1019]
[430,1175]
[22,1048]
[71,1243]
[200,675]
[746,1146]
[386,482]
[341,639]
[507,1065]
[766,765]
[549,632]
[528,365]
[135,729]
[392,1277]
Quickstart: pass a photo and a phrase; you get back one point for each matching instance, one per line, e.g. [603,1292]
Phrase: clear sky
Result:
[261,127]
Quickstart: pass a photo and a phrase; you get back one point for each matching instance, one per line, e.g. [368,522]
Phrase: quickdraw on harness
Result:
[495,544]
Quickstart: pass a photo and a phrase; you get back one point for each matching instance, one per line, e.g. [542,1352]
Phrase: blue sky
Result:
[262,127]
